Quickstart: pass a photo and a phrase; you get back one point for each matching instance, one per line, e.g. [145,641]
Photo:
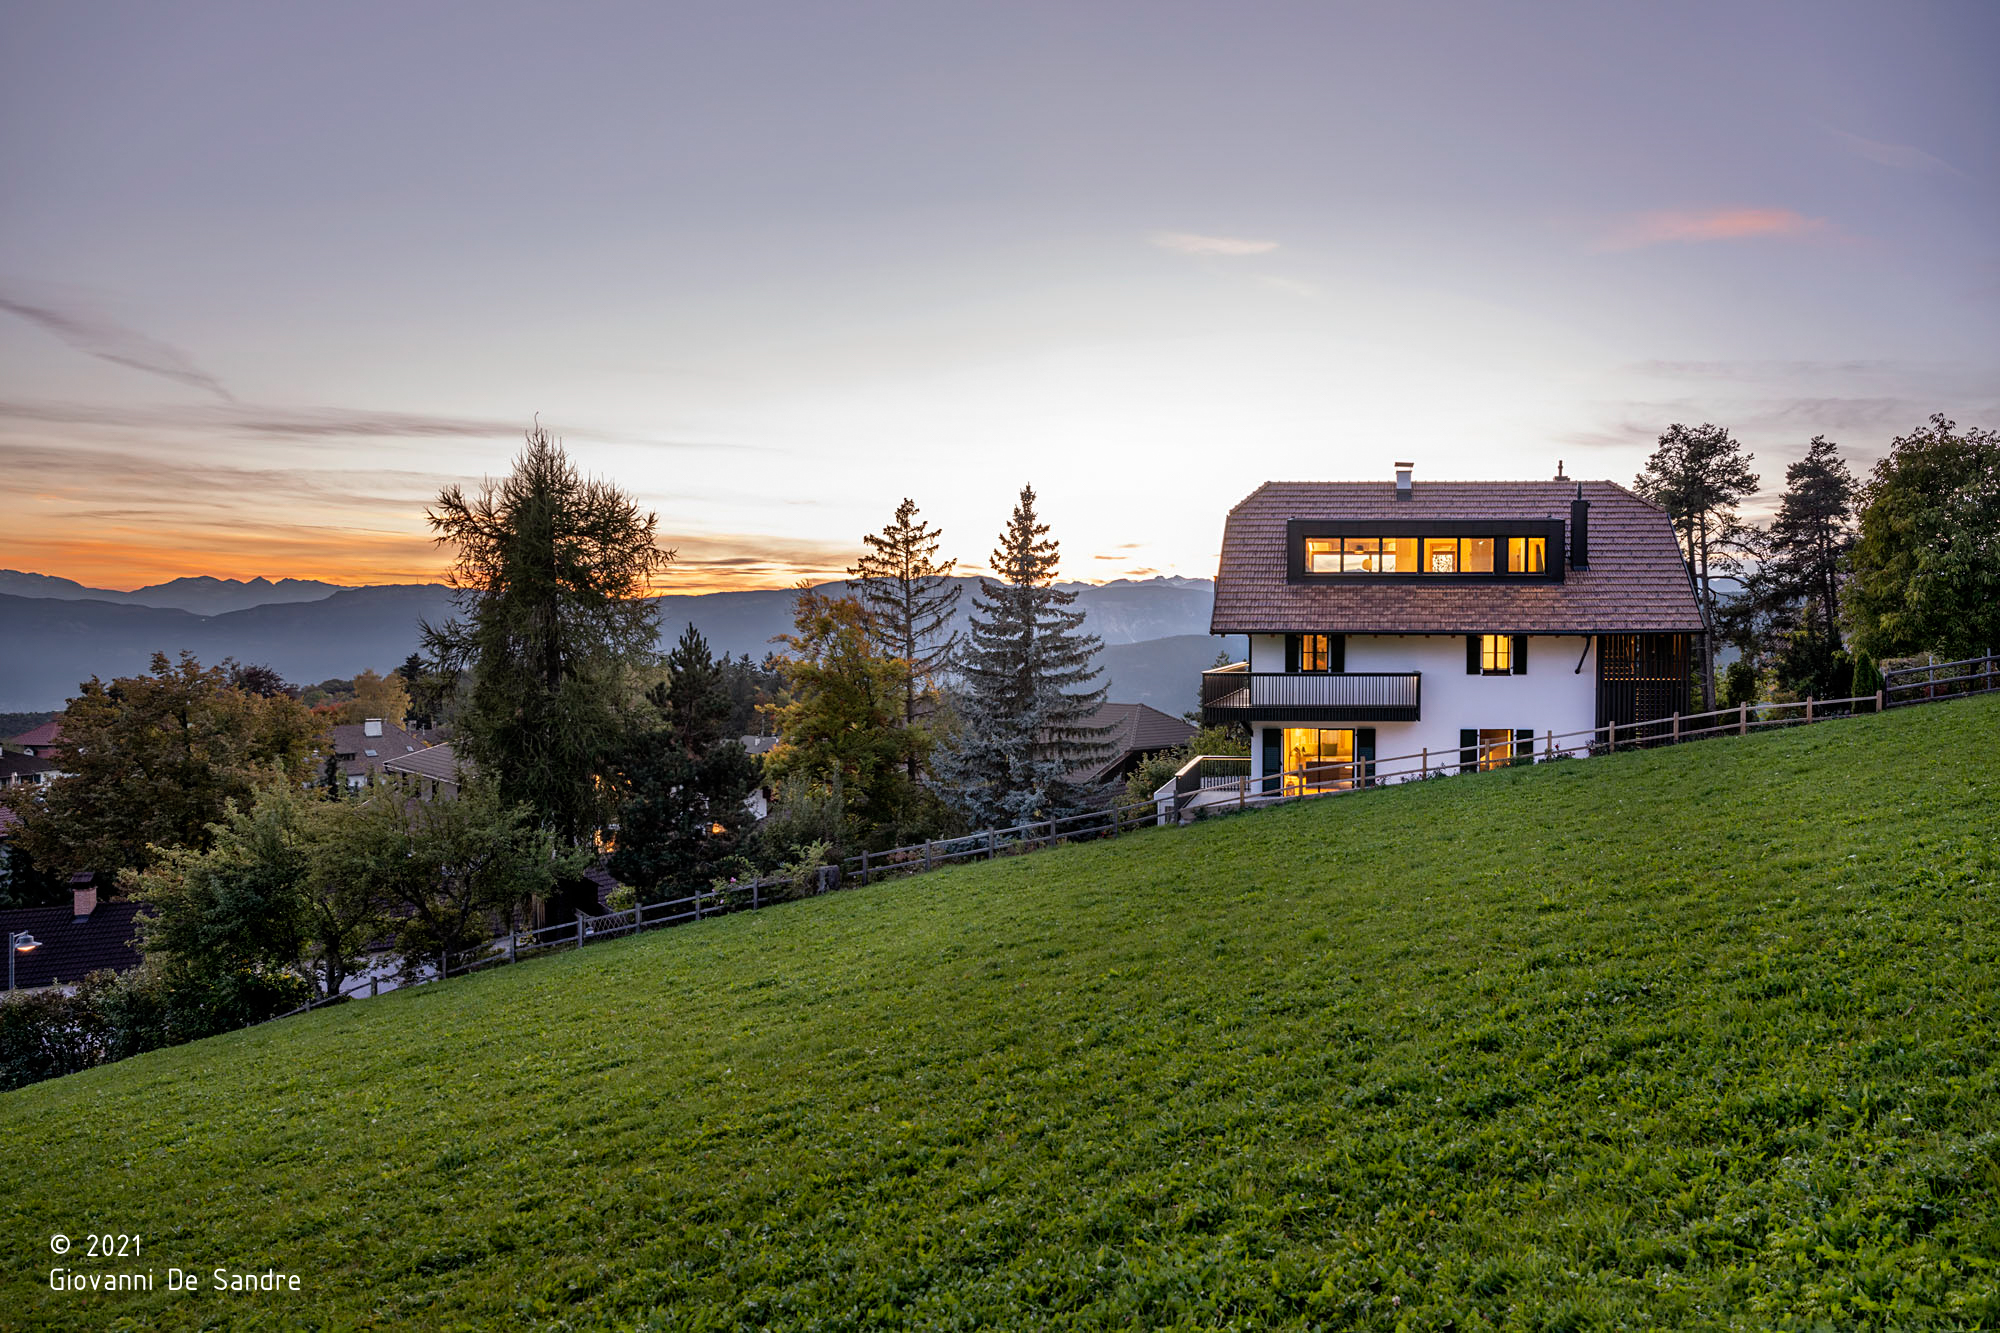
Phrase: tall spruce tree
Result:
[1699,475]
[911,597]
[552,575]
[1027,703]
[682,782]
[1811,535]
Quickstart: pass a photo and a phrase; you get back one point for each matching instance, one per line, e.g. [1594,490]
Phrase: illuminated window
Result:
[1440,555]
[1496,654]
[1322,555]
[1317,760]
[1315,652]
[1399,555]
[1361,555]
[1475,555]
[1496,748]
[1527,555]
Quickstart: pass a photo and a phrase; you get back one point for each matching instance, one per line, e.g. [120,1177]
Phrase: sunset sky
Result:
[270,275]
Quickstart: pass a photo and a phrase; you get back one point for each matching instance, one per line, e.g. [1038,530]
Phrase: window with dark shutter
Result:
[1468,750]
[1337,653]
[1291,654]
[1364,754]
[1524,745]
[1274,757]
[1520,654]
[1472,654]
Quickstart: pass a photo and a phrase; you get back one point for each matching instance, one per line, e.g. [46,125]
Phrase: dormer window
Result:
[1469,550]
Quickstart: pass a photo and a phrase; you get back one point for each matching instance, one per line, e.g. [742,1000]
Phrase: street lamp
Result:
[18,941]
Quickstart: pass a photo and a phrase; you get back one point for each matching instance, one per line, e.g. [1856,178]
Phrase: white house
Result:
[1465,619]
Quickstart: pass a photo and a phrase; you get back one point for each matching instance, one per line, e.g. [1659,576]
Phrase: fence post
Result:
[927,853]
[1878,699]
[1612,747]
[992,844]
[444,964]
[579,930]
[1677,728]
[373,982]
[1424,769]
[1551,743]
[1242,793]
[1743,719]
[864,865]
[510,946]
[1809,708]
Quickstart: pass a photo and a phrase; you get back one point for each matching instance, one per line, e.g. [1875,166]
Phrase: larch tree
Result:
[911,597]
[553,574]
[1812,533]
[1027,669]
[1699,475]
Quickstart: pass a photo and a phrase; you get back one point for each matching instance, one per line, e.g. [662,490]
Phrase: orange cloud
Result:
[1664,227]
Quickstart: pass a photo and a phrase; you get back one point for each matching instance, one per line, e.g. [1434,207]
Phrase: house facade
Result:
[1469,621]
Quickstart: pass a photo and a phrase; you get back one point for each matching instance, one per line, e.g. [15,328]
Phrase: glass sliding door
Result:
[1318,759]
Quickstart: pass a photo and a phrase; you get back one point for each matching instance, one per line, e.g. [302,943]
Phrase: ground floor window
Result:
[1494,747]
[1318,759]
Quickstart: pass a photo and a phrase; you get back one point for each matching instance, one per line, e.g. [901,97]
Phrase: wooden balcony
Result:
[1237,694]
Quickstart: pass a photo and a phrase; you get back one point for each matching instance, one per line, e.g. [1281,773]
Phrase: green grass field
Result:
[1702,1037]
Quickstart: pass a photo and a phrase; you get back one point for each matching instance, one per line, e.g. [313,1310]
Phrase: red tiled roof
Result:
[1636,582]
[49,733]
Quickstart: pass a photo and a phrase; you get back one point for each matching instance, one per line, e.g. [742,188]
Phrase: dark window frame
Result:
[1297,530]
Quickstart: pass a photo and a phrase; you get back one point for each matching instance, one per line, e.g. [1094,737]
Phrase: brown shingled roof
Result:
[1636,583]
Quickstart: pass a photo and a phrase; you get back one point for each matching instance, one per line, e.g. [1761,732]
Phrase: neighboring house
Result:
[24,770]
[1134,733]
[41,742]
[74,940]
[437,770]
[758,802]
[362,750]
[1469,619]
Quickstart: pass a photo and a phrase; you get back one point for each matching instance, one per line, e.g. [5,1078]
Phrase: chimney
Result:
[1559,471]
[1403,480]
[83,894]
[372,727]
[1579,531]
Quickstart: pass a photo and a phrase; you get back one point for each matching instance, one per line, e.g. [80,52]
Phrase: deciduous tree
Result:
[152,761]
[1926,563]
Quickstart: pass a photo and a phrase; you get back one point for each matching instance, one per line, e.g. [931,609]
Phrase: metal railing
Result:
[1235,693]
[1940,680]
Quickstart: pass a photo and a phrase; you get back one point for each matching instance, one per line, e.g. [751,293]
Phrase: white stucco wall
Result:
[1552,696]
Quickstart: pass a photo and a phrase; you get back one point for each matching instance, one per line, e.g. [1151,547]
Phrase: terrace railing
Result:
[1236,694]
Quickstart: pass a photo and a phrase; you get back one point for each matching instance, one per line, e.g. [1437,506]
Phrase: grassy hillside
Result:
[1700,1037]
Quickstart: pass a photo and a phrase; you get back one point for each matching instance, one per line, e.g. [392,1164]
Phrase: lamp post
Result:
[18,941]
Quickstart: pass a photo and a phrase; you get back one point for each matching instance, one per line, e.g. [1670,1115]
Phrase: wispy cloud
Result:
[113,342]
[1188,243]
[1675,227]
[1899,155]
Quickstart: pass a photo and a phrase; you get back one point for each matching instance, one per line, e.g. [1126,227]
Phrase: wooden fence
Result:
[1213,790]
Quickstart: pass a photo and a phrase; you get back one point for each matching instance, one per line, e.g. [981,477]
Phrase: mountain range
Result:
[55,633]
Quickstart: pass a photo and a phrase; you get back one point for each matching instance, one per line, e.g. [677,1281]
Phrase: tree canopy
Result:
[1926,562]
[910,597]
[1027,670]
[151,761]
[553,574]
[1699,475]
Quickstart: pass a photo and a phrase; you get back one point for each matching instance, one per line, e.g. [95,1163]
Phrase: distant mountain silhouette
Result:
[203,595]
[49,642]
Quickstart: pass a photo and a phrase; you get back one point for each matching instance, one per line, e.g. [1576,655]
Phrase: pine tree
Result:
[1027,668]
[1699,474]
[911,597]
[1812,533]
[683,781]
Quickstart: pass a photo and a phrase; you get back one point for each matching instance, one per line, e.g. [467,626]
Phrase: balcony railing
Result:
[1237,694]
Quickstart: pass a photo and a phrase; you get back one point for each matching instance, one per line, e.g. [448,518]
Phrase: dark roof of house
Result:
[438,763]
[1636,582]
[1135,729]
[759,744]
[71,949]
[352,746]
[49,733]
[7,820]
[21,766]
